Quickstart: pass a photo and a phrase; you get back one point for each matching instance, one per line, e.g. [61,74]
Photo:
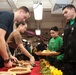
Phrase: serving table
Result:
[34,71]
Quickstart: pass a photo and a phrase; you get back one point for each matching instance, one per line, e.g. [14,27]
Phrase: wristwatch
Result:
[6,60]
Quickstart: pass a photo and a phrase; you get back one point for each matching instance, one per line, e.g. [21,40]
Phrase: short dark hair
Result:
[24,8]
[18,23]
[55,28]
[70,6]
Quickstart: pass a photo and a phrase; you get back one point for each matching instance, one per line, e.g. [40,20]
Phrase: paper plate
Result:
[19,70]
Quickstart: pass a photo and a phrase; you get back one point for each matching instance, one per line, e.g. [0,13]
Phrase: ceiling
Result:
[51,16]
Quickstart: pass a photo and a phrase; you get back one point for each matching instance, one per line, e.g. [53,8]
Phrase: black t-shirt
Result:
[6,22]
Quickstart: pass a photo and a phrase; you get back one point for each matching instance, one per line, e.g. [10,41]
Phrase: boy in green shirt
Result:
[54,44]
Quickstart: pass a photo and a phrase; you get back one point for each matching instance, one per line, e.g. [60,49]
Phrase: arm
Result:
[54,53]
[24,51]
[13,59]
[3,51]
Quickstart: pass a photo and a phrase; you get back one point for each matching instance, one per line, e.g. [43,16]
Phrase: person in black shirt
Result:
[69,41]
[6,26]
[40,47]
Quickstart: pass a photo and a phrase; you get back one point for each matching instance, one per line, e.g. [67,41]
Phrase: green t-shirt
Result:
[54,44]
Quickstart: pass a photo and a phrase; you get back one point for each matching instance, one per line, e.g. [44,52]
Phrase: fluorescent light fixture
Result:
[63,1]
[24,40]
[38,11]
[38,43]
[38,31]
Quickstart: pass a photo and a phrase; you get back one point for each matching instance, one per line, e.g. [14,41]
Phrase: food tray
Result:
[19,70]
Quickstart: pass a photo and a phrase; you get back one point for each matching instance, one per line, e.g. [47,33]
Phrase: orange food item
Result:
[45,51]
